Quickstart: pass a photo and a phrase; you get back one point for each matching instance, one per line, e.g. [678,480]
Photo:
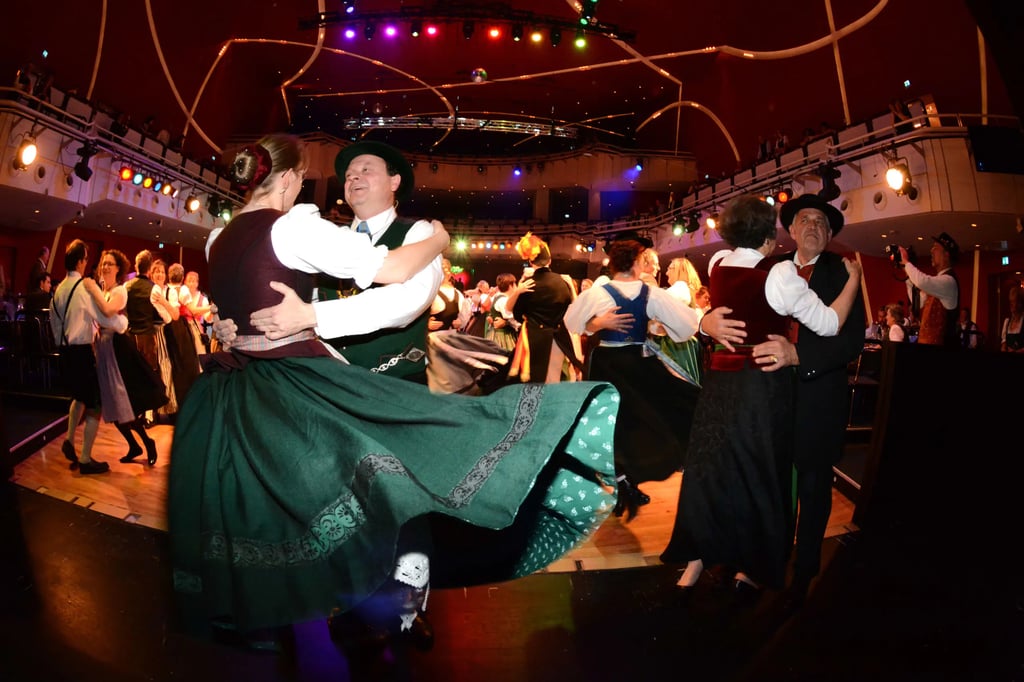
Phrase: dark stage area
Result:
[87,598]
[928,588]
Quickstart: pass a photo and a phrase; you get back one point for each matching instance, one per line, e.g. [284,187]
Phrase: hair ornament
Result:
[529,246]
[252,166]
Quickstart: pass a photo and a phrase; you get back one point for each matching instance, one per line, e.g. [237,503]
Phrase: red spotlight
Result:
[431,30]
[494,32]
[784,196]
[126,172]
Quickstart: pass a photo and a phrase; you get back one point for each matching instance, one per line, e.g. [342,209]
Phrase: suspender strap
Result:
[63,316]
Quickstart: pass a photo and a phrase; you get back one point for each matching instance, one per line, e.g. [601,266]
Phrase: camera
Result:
[893,252]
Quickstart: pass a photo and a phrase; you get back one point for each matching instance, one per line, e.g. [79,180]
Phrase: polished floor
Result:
[86,596]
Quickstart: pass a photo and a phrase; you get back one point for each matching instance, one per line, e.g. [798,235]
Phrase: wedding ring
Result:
[775,359]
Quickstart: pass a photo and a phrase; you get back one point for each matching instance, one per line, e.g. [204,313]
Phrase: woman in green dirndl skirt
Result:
[293,473]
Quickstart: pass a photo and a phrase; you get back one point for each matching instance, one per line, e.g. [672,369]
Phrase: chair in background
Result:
[40,355]
[863,381]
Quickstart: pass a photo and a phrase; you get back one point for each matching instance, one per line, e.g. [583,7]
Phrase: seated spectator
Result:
[1012,337]
[875,331]
[38,298]
[968,330]
[901,116]
[894,320]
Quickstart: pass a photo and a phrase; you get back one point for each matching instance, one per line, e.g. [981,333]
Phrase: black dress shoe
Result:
[642,498]
[151,451]
[93,467]
[69,454]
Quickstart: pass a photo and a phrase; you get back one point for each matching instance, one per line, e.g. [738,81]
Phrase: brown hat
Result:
[949,244]
[791,207]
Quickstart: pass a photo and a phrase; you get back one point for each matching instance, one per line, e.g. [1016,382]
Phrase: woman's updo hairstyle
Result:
[255,163]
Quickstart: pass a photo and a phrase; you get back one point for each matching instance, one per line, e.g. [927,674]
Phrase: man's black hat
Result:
[391,156]
[949,244]
[791,207]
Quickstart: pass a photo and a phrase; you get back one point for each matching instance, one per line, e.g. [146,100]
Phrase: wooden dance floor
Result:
[136,493]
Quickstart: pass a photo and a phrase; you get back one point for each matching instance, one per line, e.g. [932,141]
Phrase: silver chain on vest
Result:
[412,355]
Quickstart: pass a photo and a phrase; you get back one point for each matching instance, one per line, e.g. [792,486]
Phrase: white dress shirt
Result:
[679,319]
[385,307]
[82,315]
[787,292]
[304,241]
[942,286]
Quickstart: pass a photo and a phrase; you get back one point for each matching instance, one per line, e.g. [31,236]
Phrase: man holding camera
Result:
[941,293]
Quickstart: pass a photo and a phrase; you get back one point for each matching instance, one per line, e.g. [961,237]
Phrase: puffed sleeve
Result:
[788,294]
[304,241]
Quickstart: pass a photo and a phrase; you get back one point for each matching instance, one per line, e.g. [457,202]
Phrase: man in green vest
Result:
[383,328]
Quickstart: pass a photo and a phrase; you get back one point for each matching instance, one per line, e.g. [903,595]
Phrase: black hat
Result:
[949,244]
[790,208]
[391,156]
[629,235]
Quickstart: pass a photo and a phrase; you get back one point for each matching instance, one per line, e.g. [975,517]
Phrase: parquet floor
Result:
[136,493]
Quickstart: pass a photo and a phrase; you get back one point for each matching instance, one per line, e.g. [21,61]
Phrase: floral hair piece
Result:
[529,247]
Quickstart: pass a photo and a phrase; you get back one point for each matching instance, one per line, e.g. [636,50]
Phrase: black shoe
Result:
[151,451]
[628,500]
[642,497]
[420,634]
[93,467]
[69,454]
[132,454]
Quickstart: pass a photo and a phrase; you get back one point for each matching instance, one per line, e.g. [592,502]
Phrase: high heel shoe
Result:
[628,501]
[151,451]
[132,454]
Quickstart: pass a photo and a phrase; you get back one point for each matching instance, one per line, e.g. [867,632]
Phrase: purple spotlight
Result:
[390,31]
[350,34]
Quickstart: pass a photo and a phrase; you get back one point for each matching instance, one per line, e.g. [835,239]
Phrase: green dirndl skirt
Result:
[291,478]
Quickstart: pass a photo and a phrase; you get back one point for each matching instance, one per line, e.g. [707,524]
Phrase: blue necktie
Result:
[363,228]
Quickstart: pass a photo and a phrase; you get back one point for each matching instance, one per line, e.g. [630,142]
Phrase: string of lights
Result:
[427,21]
